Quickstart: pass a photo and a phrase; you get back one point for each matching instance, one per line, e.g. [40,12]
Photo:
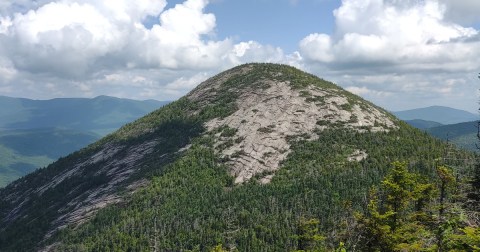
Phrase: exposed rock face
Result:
[266,118]
[357,156]
[114,169]
[117,170]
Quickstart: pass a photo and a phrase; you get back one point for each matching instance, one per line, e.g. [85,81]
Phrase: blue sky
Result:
[397,54]
[281,23]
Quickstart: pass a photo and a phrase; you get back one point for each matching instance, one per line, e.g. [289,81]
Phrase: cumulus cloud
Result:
[73,39]
[364,91]
[105,43]
[186,84]
[389,38]
[390,33]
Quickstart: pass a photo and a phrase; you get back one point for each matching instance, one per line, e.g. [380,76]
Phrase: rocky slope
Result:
[266,117]
[255,119]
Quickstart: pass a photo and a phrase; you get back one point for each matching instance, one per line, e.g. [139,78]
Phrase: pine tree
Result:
[390,223]
[308,235]
[398,187]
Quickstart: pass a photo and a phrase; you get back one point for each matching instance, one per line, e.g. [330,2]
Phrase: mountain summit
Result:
[240,161]
[268,104]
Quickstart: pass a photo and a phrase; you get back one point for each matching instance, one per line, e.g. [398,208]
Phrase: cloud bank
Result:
[80,45]
[388,48]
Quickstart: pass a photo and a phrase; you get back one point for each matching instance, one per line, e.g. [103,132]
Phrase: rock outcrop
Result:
[267,117]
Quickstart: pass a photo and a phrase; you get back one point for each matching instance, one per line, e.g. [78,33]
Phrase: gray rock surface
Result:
[267,118]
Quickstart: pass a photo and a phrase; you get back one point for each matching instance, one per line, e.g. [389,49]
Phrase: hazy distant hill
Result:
[440,114]
[461,134]
[460,126]
[101,115]
[34,133]
[422,124]
[22,151]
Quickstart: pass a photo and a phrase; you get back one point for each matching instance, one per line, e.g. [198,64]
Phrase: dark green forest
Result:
[193,204]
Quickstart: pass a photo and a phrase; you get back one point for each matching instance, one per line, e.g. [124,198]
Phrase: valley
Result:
[458,127]
[35,133]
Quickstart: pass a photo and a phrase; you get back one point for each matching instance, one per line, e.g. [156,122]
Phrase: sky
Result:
[399,54]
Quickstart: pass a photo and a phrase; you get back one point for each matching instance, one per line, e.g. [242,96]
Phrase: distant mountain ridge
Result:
[34,133]
[459,126]
[440,114]
[461,134]
[423,124]
[23,151]
[101,114]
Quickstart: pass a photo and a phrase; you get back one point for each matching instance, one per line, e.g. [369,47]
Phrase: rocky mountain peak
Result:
[272,104]
[250,115]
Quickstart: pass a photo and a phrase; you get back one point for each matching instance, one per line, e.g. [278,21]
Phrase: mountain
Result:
[463,135]
[422,124]
[34,133]
[23,151]
[443,115]
[100,115]
[240,162]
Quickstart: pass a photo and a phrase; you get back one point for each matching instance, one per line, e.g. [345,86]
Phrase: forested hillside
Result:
[35,133]
[422,124]
[23,151]
[463,134]
[193,204]
[261,157]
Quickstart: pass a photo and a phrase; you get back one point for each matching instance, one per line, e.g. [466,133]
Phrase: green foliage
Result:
[467,240]
[397,223]
[14,165]
[308,235]
[228,132]
[176,111]
[463,135]
[474,189]
[195,204]
[218,248]
[265,130]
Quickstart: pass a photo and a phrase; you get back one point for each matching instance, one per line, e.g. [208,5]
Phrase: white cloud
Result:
[393,52]
[78,39]
[252,51]
[89,45]
[317,47]
[377,31]
[186,84]
[416,40]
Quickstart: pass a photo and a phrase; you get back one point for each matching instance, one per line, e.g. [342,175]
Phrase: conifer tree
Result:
[309,237]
